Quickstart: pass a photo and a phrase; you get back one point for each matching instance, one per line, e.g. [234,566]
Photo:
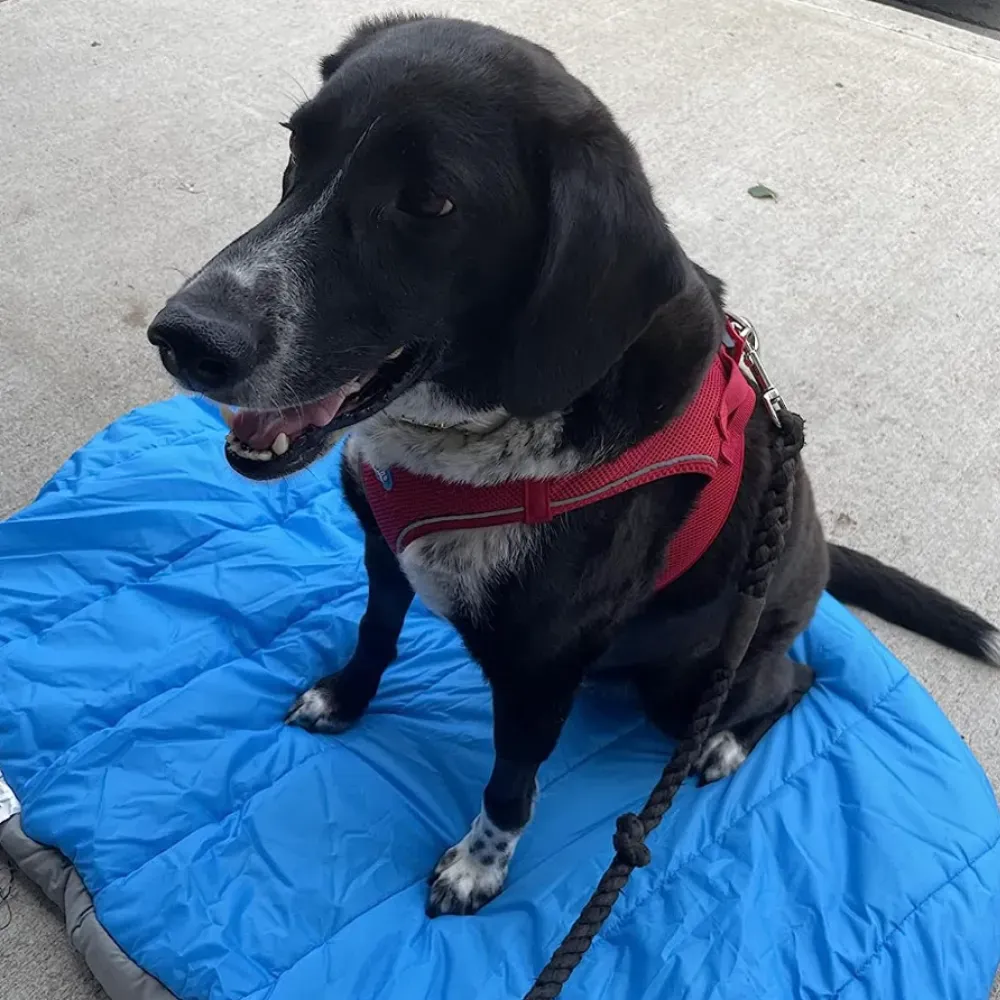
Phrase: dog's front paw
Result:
[472,872]
[320,710]
[722,755]
[464,881]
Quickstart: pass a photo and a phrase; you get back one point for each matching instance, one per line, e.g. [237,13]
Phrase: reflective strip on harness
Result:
[427,525]
[707,439]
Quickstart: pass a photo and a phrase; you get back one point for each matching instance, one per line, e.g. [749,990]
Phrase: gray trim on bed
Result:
[121,978]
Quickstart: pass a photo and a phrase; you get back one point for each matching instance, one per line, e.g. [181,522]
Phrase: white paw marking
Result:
[311,707]
[722,755]
[317,711]
[472,872]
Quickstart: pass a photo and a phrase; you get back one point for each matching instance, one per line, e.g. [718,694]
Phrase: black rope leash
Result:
[766,545]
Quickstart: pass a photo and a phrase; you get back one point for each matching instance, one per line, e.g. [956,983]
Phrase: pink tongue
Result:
[259,428]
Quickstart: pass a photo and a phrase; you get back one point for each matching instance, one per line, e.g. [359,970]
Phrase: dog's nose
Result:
[204,351]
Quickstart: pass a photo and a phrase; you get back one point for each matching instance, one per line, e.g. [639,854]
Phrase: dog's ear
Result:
[608,265]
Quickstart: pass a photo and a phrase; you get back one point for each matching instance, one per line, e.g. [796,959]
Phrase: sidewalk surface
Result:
[137,138]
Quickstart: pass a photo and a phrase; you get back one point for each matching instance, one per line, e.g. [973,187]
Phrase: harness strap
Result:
[706,439]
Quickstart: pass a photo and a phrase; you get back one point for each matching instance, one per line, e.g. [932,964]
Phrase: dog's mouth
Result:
[268,444]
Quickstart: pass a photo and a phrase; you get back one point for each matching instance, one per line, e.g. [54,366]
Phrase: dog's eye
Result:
[424,204]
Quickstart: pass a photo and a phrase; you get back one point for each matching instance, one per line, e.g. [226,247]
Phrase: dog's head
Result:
[456,207]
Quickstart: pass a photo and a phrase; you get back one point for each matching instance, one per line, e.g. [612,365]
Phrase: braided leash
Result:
[631,852]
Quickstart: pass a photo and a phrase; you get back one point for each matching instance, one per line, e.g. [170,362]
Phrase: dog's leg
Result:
[527,721]
[769,684]
[338,700]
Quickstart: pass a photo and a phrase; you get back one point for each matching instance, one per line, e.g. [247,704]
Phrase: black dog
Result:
[467,266]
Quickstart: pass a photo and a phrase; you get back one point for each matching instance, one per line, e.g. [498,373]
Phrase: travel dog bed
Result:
[158,614]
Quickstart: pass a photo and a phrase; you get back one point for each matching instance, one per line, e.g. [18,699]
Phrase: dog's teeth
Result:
[234,444]
[396,353]
[280,444]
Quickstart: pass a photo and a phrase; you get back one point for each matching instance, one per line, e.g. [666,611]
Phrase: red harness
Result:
[707,439]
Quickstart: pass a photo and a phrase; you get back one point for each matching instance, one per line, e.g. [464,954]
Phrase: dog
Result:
[467,268]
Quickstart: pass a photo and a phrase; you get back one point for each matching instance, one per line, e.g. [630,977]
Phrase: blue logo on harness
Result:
[384,476]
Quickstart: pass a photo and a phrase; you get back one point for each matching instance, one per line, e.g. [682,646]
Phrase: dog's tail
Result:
[864,582]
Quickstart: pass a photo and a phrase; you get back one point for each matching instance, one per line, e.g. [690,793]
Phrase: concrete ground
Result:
[138,138]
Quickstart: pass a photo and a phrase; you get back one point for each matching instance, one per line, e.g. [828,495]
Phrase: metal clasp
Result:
[772,400]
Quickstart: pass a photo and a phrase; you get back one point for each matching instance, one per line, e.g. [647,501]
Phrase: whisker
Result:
[289,97]
[298,83]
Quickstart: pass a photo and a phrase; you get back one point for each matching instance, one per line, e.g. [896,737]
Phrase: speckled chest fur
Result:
[426,433]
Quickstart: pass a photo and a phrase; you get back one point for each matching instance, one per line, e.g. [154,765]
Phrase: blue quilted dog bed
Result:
[157,616]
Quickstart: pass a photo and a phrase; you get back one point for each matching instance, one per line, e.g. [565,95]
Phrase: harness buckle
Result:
[745,331]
